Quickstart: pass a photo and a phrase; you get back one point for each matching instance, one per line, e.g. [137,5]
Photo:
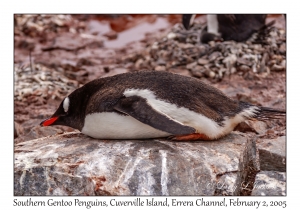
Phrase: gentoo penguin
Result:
[153,104]
[237,27]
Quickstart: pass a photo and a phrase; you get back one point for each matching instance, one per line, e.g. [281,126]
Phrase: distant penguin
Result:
[237,27]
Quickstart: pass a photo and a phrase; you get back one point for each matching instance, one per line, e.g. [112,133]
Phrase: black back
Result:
[183,91]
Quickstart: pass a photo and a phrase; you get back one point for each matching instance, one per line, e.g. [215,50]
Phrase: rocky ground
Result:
[55,54]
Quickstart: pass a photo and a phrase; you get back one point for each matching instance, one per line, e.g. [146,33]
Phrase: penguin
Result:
[224,27]
[154,104]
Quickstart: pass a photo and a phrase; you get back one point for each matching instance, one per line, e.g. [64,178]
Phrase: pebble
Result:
[139,63]
[212,74]
[230,60]
[244,68]
[171,35]
[232,70]
[276,67]
[160,68]
[191,65]
[214,55]
[202,61]
[283,63]
[196,73]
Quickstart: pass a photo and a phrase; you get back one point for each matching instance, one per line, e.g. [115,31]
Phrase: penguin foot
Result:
[189,137]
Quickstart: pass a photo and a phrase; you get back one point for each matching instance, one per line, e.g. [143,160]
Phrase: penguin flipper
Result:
[138,108]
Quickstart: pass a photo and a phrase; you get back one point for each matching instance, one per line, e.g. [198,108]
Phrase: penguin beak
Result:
[49,121]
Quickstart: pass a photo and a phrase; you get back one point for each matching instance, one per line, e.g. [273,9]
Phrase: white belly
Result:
[109,125]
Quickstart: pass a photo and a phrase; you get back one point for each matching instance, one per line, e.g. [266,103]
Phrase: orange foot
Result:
[190,137]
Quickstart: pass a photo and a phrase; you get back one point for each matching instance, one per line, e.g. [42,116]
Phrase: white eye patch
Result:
[66,104]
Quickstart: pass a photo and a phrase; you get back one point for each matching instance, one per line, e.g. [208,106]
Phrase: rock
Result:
[232,70]
[18,130]
[191,65]
[214,56]
[244,127]
[197,71]
[244,68]
[283,63]
[160,68]
[259,126]
[269,183]
[244,61]
[203,61]
[155,46]
[111,35]
[246,97]
[74,164]
[230,61]
[139,63]
[171,35]
[282,48]
[212,74]
[38,132]
[276,67]
[161,62]
[272,155]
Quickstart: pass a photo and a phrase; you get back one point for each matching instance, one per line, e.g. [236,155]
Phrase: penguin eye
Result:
[66,104]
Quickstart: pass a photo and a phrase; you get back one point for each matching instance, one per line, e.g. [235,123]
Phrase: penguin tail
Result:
[265,113]
[260,112]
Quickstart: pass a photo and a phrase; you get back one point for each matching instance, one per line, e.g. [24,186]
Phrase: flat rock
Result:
[75,164]
[270,183]
[272,154]
[38,132]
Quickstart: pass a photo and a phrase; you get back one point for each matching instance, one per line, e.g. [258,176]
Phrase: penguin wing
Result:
[138,108]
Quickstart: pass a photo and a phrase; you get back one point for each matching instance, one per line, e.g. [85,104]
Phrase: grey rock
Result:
[230,61]
[272,154]
[244,61]
[191,65]
[38,132]
[203,61]
[214,56]
[198,71]
[259,126]
[244,68]
[160,68]
[161,62]
[269,183]
[74,164]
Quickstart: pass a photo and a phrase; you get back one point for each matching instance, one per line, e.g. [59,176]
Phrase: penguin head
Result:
[70,111]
